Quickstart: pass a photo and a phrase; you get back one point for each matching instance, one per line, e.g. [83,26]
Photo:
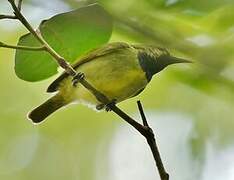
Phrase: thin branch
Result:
[148,133]
[144,130]
[150,137]
[145,123]
[3,45]
[2,16]
[141,129]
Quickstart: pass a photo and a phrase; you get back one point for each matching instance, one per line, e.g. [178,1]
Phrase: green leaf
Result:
[71,34]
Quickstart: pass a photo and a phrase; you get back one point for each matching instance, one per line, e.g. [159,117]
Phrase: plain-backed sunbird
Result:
[118,70]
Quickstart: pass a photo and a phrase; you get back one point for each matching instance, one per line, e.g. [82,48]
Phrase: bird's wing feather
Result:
[105,50]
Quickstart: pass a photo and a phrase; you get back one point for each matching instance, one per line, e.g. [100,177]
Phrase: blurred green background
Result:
[190,107]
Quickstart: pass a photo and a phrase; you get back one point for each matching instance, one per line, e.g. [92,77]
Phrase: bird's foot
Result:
[107,106]
[110,104]
[77,78]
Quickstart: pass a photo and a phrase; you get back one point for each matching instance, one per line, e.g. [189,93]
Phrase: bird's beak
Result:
[165,61]
[174,60]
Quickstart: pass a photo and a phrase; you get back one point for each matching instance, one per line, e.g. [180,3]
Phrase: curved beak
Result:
[174,60]
[165,61]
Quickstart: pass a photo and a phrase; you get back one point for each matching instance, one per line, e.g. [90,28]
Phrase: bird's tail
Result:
[44,110]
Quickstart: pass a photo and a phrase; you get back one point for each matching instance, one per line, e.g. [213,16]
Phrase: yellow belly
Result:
[117,77]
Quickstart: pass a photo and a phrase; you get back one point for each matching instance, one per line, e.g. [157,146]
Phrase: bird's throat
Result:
[148,64]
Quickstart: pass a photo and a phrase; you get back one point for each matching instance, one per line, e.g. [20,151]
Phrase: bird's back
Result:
[99,52]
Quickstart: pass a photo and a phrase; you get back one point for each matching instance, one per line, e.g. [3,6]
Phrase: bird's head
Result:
[155,59]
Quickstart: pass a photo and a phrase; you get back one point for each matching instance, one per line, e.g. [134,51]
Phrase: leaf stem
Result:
[3,45]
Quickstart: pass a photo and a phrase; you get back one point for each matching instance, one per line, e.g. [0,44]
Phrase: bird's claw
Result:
[106,106]
[79,76]
[110,104]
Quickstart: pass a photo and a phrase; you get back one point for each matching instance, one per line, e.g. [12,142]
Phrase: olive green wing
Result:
[105,50]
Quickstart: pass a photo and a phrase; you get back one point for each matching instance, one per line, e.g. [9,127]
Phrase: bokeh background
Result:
[190,107]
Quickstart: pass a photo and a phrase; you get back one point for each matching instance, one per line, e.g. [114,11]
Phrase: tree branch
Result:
[150,137]
[3,45]
[145,130]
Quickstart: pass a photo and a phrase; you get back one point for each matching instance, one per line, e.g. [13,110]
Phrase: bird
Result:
[119,70]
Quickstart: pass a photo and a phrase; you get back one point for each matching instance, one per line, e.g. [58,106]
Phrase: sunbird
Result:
[118,70]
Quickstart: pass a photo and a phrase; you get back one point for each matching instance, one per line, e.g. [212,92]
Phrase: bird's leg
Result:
[79,76]
[106,106]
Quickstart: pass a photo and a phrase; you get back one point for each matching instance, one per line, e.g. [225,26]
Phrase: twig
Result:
[3,45]
[148,133]
[141,129]
[144,120]
[153,145]
[144,130]
[2,16]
